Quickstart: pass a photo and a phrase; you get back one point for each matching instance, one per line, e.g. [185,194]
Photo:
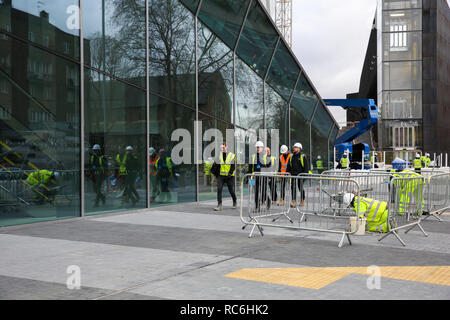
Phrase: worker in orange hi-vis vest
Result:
[285,157]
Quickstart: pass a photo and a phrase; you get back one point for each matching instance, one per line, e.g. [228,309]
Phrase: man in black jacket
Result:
[298,164]
[225,175]
[256,164]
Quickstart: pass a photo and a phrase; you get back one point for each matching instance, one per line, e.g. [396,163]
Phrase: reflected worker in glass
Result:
[132,170]
[98,166]
[165,172]
[154,186]
[226,172]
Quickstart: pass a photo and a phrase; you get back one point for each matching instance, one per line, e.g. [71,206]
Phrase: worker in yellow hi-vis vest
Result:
[226,175]
[375,211]
[409,190]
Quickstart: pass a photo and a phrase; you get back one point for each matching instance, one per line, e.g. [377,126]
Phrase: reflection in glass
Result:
[191,4]
[52,24]
[172,50]
[322,120]
[277,117]
[115,38]
[224,17]
[115,116]
[402,75]
[215,75]
[249,97]
[283,72]
[258,40]
[299,129]
[39,135]
[304,98]
[173,182]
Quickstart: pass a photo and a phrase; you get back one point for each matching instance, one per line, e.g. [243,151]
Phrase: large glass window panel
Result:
[406,20]
[401,4]
[39,136]
[322,120]
[258,40]
[211,127]
[243,149]
[215,75]
[191,4]
[304,98]
[400,45]
[174,180]
[402,75]
[115,115]
[52,24]
[224,17]
[402,104]
[283,72]
[172,50]
[277,117]
[319,147]
[115,38]
[299,130]
[249,97]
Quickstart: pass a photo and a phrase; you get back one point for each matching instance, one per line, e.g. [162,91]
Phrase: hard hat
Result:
[96,147]
[319,157]
[129,148]
[298,145]
[348,198]
[345,154]
[259,144]
[284,149]
[417,155]
[56,174]
[151,151]
[427,154]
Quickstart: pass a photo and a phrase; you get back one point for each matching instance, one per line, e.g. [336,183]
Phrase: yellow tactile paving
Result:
[317,278]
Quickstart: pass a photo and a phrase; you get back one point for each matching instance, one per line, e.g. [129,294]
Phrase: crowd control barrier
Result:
[437,195]
[312,202]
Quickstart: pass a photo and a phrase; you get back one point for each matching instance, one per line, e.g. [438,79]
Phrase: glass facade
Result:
[99,101]
[399,25]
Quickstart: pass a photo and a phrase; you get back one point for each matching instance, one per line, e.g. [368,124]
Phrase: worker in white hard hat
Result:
[298,164]
[319,165]
[285,157]
[427,160]
[98,166]
[271,163]
[255,167]
[417,163]
[132,170]
[375,211]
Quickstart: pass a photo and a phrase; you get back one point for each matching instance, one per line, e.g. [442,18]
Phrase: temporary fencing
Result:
[437,195]
[311,202]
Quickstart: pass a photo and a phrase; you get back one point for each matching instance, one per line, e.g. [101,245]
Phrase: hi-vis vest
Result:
[152,163]
[417,163]
[100,161]
[408,189]
[273,160]
[168,164]
[376,213]
[225,166]
[319,164]
[344,162]
[302,157]
[39,177]
[284,163]
[122,164]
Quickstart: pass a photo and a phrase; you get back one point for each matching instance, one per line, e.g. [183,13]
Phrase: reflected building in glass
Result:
[93,93]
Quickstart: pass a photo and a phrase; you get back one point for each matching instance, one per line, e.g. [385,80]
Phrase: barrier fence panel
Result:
[437,195]
[406,205]
[311,202]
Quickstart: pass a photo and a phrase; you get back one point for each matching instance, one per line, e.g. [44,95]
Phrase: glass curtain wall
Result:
[222,63]
[39,112]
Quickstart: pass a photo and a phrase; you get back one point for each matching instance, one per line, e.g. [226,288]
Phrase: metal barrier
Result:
[406,205]
[437,195]
[322,209]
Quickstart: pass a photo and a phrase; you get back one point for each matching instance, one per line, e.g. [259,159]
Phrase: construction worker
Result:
[375,211]
[255,166]
[427,160]
[41,182]
[121,159]
[319,164]
[298,164]
[417,163]
[271,167]
[226,175]
[154,186]
[132,171]
[374,160]
[98,166]
[344,161]
[285,157]
[165,172]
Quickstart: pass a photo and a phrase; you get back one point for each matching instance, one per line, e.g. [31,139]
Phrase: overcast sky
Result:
[330,39]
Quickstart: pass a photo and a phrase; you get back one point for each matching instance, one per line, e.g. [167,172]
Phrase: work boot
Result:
[293,204]
[281,203]
[219,208]
[302,204]
[234,205]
